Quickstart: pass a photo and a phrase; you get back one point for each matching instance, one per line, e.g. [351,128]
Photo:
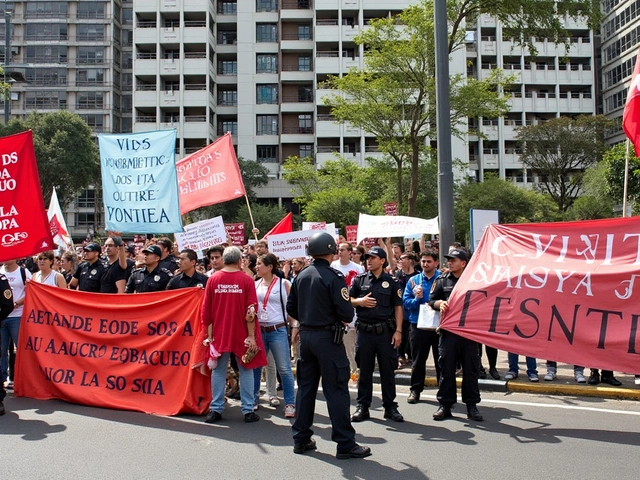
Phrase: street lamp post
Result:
[7,61]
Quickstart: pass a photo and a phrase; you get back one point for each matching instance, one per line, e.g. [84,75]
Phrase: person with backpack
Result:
[9,327]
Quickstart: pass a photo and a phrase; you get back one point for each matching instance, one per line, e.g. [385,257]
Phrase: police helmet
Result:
[321,243]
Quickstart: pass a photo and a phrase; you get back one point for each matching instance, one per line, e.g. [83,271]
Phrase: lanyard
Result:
[266,296]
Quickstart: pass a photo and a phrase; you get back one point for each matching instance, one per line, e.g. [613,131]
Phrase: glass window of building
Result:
[266,32]
[267,125]
[267,94]
[266,63]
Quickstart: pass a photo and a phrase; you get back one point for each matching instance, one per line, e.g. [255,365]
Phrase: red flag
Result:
[24,226]
[560,291]
[631,115]
[209,176]
[283,226]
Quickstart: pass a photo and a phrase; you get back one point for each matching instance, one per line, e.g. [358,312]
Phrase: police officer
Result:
[453,347]
[150,278]
[88,274]
[188,276]
[167,259]
[377,297]
[319,299]
[6,307]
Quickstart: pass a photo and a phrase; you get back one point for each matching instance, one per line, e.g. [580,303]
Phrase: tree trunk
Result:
[413,188]
[400,198]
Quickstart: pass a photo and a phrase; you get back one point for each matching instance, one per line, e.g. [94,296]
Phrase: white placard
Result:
[381,226]
[290,245]
[480,219]
[202,235]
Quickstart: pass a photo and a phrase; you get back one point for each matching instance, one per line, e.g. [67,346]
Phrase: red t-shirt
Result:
[227,297]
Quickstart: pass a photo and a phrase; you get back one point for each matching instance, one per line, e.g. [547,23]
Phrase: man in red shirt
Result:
[228,314]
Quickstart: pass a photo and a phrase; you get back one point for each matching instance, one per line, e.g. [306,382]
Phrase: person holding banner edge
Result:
[6,307]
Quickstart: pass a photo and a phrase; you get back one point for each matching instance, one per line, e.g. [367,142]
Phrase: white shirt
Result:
[18,287]
[275,302]
[50,279]
[345,269]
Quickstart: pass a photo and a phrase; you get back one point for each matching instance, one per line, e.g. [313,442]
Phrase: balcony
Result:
[194,31]
[296,103]
[195,63]
[296,9]
[297,73]
[195,95]
[294,41]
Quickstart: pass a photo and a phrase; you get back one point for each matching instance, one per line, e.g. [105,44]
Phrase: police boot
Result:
[393,413]
[361,414]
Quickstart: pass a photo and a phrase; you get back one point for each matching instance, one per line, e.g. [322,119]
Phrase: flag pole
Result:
[253,225]
[626,181]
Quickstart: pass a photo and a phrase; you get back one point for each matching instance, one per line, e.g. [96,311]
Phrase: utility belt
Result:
[316,327]
[378,327]
[338,330]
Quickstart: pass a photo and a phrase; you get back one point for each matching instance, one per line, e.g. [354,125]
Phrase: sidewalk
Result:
[564,384]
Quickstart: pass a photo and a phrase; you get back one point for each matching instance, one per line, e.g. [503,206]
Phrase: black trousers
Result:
[453,346]
[404,350]
[369,347]
[320,357]
[422,341]
[492,355]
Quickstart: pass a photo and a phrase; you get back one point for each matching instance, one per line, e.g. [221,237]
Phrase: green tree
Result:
[265,217]
[394,96]
[614,160]
[341,205]
[66,154]
[515,204]
[595,201]
[560,150]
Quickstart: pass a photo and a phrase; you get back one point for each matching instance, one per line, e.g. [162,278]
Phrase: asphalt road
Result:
[523,436]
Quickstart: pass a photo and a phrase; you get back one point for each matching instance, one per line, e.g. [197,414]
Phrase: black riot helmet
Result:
[321,243]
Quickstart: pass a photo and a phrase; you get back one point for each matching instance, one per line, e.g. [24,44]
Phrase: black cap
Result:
[376,252]
[154,249]
[458,253]
[92,247]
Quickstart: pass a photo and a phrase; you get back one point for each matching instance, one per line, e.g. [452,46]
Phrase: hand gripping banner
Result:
[128,352]
[557,291]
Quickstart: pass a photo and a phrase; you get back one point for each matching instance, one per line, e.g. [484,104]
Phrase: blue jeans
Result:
[531,364]
[8,329]
[219,380]
[278,343]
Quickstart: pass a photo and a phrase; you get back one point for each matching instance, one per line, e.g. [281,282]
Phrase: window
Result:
[93,120]
[90,100]
[127,16]
[46,31]
[305,94]
[228,98]
[85,220]
[46,76]
[90,76]
[90,55]
[227,8]
[90,32]
[306,150]
[228,126]
[45,100]
[267,94]
[304,63]
[227,67]
[46,54]
[266,5]
[267,153]
[266,32]
[86,199]
[267,125]
[46,9]
[305,123]
[304,32]
[91,10]
[266,63]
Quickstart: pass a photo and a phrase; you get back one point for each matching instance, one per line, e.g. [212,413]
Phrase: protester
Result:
[319,300]
[114,278]
[167,259]
[6,307]
[272,293]
[151,278]
[607,377]
[10,326]
[377,299]
[532,366]
[45,274]
[402,275]
[358,255]
[228,314]
[453,347]
[188,276]
[87,276]
[68,262]
[249,264]
[214,254]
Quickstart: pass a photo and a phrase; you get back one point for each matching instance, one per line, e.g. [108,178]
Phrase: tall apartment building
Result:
[620,35]
[76,56]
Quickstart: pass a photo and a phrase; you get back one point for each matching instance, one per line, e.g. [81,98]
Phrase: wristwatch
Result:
[295,325]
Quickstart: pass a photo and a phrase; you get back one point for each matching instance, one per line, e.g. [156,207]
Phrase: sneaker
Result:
[358,451]
[300,448]
[9,385]
[533,377]
[251,417]
[414,397]
[213,417]
[289,411]
[511,376]
[494,374]
[274,401]
[550,376]
[580,378]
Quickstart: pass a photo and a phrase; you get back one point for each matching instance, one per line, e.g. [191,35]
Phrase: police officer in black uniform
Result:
[88,274]
[152,277]
[188,276]
[167,259]
[319,299]
[377,297]
[6,307]
[453,347]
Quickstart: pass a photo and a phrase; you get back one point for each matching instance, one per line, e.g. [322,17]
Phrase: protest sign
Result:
[235,231]
[290,245]
[202,235]
[129,352]
[330,228]
[391,208]
[209,176]
[351,233]
[139,182]
[562,291]
[378,226]
[24,226]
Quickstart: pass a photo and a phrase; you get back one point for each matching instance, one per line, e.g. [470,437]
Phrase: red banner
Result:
[352,233]
[128,352]
[235,231]
[24,225]
[557,291]
[209,176]
[391,209]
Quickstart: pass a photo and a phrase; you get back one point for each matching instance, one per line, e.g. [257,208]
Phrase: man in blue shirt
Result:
[416,293]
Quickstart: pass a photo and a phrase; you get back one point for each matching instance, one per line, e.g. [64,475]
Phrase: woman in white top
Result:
[45,274]
[272,293]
